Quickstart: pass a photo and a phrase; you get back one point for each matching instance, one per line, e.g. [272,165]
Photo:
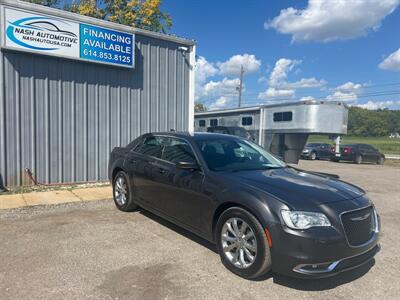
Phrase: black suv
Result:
[360,153]
[315,151]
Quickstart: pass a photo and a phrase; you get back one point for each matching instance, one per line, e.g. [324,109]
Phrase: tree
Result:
[199,107]
[145,14]
[90,8]
[50,3]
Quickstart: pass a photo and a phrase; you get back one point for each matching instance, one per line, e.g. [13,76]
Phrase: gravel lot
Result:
[91,250]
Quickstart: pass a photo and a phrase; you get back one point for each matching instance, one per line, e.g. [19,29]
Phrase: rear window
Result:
[284,116]
[152,146]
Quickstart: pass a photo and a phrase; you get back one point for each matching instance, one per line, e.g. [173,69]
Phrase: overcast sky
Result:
[291,50]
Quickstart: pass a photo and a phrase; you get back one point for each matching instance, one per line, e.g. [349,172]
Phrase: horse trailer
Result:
[282,129]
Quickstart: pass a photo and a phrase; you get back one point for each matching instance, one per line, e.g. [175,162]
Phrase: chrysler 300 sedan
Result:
[262,214]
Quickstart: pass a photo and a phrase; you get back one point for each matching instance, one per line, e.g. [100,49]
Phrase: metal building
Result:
[283,128]
[74,87]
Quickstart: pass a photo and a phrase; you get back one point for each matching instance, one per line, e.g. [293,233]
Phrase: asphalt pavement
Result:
[90,250]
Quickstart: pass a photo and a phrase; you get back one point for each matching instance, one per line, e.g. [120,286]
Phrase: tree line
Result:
[381,122]
[144,14]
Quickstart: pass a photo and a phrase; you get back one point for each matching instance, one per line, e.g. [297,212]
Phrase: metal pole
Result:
[241,85]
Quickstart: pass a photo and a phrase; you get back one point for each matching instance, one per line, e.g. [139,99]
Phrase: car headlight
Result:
[306,150]
[304,219]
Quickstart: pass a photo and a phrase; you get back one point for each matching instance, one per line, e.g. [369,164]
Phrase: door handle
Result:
[162,171]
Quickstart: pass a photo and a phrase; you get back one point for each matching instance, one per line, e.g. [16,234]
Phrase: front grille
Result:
[359,225]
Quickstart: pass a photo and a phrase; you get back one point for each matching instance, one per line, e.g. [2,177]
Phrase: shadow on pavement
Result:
[290,282]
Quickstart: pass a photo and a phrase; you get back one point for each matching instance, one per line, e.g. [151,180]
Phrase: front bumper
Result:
[335,267]
[318,252]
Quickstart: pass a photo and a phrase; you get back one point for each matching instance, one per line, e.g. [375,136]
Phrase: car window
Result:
[152,146]
[236,155]
[177,150]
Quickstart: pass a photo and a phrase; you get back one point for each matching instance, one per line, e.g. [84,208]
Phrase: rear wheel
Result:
[358,159]
[122,193]
[242,243]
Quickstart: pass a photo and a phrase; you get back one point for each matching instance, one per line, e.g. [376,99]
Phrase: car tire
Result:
[122,192]
[313,156]
[238,258]
[381,160]
[358,160]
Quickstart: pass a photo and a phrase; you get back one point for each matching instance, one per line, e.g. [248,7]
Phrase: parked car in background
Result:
[262,214]
[232,130]
[359,153]
[315,151]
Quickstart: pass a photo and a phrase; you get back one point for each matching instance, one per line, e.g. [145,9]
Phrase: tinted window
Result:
[177,150]
[284,116]
[202,123]
[213,122]
[247,121]
[152,146]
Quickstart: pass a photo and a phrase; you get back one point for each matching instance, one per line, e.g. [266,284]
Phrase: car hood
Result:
[297,187]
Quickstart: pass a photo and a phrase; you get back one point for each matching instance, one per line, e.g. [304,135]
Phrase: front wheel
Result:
[381,160]
[242,243]
[122,192]
[313,156]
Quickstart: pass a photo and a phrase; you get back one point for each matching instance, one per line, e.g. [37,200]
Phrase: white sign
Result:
[45,34]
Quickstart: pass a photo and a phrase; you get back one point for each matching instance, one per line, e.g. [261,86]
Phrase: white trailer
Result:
[283,129]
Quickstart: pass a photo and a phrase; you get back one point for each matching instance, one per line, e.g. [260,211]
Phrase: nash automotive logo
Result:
[41,33]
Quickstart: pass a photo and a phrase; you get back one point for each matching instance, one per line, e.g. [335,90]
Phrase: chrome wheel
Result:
[239,243]
[120,191]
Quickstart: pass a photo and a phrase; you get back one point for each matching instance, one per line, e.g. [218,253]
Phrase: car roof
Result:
[193,135]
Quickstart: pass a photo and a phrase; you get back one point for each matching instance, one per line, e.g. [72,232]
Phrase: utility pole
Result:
[240,88]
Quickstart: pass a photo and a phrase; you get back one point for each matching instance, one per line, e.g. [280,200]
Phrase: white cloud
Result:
[392,62]
[280,88]
[221,102]
[342,96]
[329,20]
[276,94]
[348,91]
[306,83]
[231,67]
[204,70]
[262,79]
[307,98]
[349,87]
[226,87]
[280,72]
[379,104]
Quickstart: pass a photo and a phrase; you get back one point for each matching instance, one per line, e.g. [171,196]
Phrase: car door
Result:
[140,165]
[180,191]
[325,150]
[367,153]
[375,154]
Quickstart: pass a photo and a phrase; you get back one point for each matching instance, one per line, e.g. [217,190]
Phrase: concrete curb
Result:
[55,197]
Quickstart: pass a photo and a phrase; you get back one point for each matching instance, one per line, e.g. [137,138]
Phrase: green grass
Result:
[383,144]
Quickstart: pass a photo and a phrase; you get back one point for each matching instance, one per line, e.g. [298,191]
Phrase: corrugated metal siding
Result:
[61,118]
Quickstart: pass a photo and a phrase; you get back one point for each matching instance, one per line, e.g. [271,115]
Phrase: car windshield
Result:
[236,155]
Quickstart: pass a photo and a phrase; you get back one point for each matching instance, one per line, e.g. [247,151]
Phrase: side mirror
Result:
[186,165]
